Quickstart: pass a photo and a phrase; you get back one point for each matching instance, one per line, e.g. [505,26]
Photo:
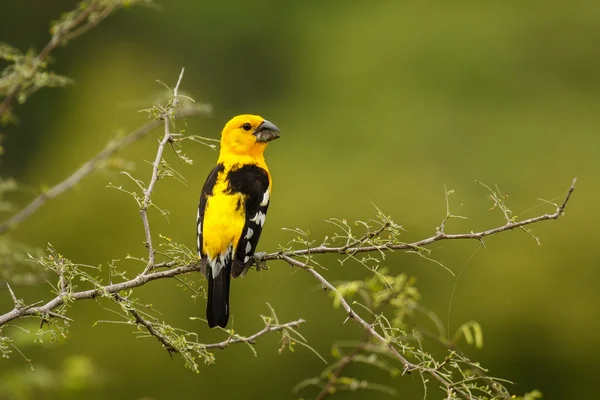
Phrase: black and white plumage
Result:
[232,209]
[254,184]
[248,188]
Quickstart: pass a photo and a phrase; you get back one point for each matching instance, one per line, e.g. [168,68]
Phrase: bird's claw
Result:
[259,260]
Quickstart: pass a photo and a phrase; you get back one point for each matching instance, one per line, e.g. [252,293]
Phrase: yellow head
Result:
[247,135]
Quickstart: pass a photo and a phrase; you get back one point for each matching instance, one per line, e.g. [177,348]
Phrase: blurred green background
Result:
[376,101]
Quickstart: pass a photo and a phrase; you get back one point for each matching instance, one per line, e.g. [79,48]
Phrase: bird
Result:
[232,209]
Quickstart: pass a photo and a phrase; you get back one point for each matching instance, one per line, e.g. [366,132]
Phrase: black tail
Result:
[217,307]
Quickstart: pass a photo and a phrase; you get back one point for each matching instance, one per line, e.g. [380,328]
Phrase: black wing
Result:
[207,191]
[253,183]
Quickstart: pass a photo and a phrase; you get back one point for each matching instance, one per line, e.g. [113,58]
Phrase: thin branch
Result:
[148,325]
[89,167]
[146,202]
[251,339]
[449,215]
[351,314]
[139,280]
[143,279]
[171,348]
[423,242]
[16,302]
[59,316]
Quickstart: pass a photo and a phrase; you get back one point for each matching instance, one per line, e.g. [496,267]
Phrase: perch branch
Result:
[424,242]
[139,280]
[144,278]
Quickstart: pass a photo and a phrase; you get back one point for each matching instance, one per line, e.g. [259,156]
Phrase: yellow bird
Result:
[232,210]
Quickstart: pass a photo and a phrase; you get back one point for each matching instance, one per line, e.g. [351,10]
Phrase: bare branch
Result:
[424,242]
[176,90]
[139,280]
[89,167]
[351,314]
[449,215]
[59,316]
[16,302]
[234,339]
[167,138]
[561,209]
[148,325]
[250,339]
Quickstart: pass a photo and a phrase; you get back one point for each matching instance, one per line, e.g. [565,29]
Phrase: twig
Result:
[16,302]
[148,325]
[171,348]
[59,316]
[442,227]
[89,167]
[424,242]
[252,338]
[146,202]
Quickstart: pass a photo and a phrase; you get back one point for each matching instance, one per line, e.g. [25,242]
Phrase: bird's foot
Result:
[259,260]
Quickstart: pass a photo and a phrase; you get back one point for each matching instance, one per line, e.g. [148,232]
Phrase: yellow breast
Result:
[224,220]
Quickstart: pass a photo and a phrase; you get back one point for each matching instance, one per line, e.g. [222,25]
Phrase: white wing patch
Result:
[246,259]
[265,199]
[259,218]
[199,228]
[217,263]
[249,233]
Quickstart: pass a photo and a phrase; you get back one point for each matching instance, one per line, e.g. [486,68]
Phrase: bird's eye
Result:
[246,126]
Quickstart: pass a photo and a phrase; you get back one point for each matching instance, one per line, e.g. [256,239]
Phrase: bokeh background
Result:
[377,101]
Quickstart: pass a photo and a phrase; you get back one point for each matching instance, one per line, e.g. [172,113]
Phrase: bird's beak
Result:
[266,132]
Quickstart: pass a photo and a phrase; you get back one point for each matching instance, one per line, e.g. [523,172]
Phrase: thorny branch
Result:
[90,166]
[440,235]
[144,278]
[234,339]
[408,366]
[140,280]
[251,339]
[167,138]
[170,347]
